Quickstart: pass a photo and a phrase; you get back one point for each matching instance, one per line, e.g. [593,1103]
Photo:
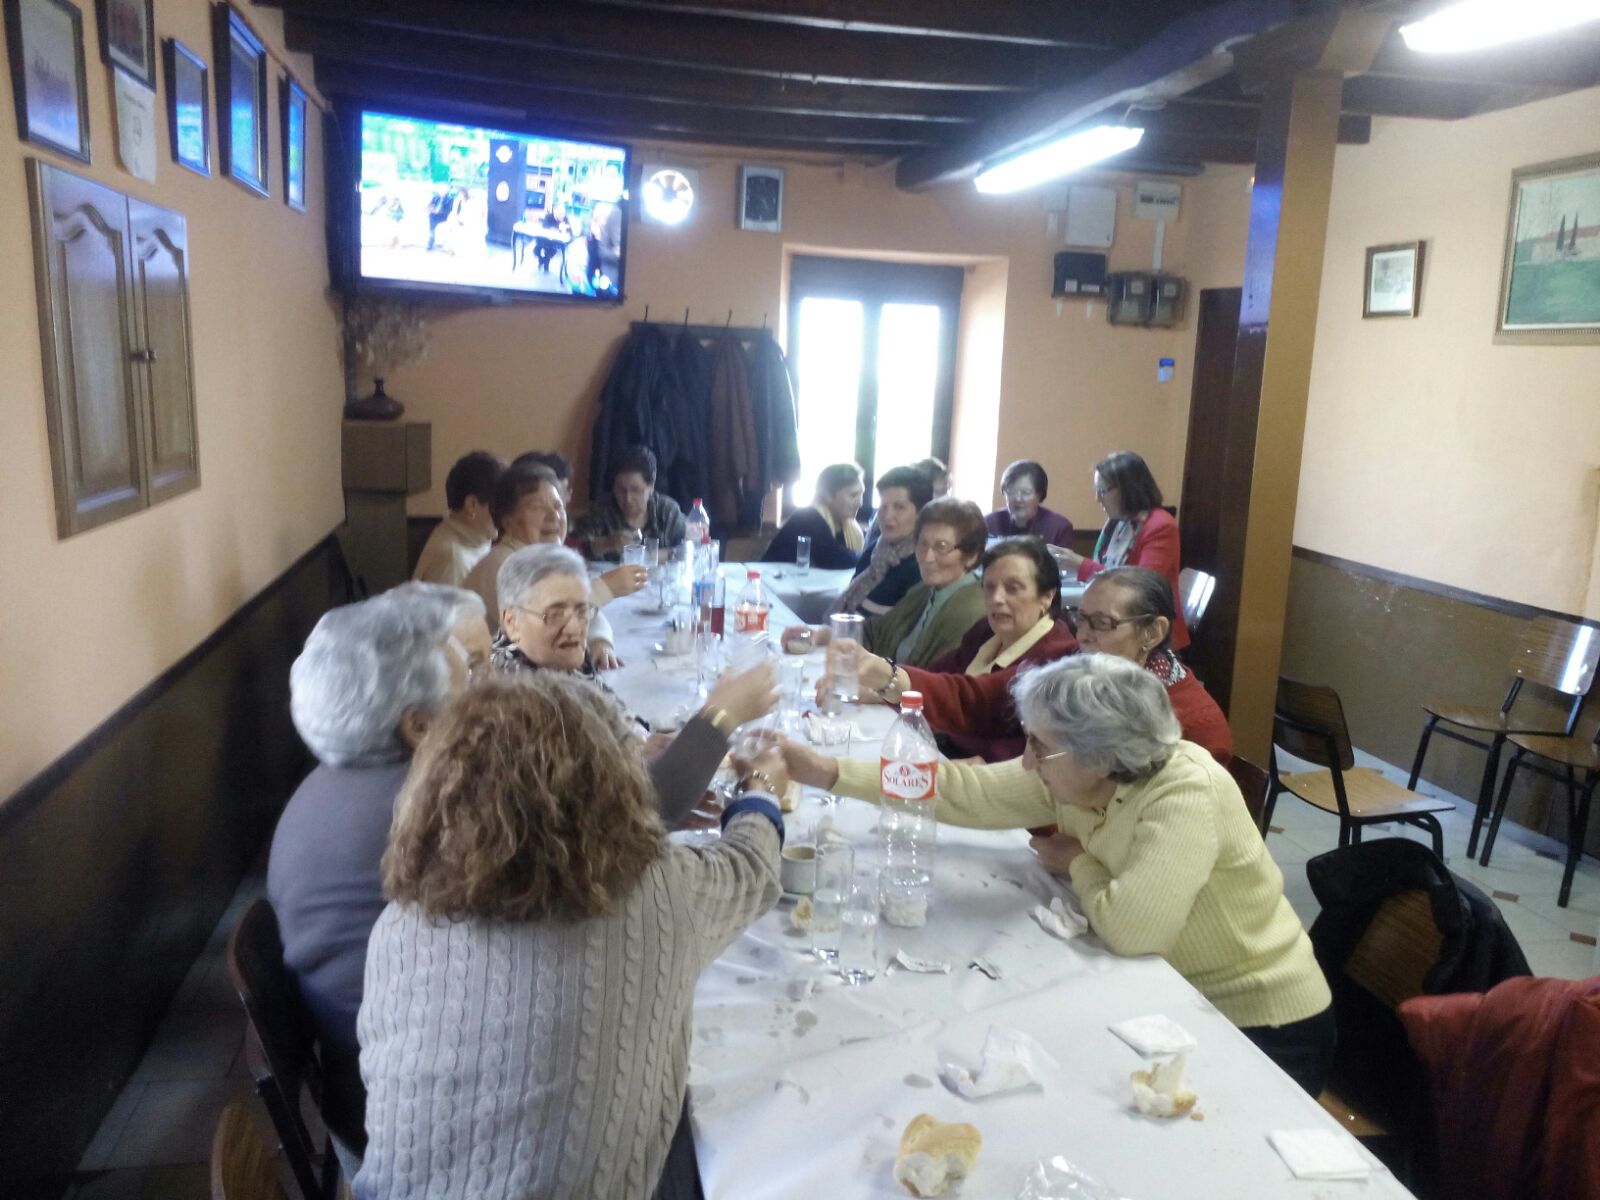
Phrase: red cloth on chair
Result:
[1516,1087]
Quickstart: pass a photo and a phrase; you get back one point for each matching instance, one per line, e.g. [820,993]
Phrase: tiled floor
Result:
[156,1140]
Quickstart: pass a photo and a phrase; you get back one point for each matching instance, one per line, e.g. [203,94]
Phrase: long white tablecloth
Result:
[801,1085]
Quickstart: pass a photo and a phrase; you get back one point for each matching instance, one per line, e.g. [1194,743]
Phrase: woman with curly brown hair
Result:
[525,1023]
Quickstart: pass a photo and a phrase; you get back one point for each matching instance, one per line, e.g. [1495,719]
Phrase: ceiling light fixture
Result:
[1476,24]
[1060,157]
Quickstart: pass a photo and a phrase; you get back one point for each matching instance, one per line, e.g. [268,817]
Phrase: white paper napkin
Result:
[1060,920]
[1320,1154]
[923,966]
[1155,1034]
[1011,1060]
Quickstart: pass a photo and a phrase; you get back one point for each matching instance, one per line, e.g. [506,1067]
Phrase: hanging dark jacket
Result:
[735,456]
[690,478]
[638,404]
[1374,1067]
[773,409]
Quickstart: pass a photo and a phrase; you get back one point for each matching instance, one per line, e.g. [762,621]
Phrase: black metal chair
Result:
[1564,756]
[1309,723]
[1552,653]
[283,1031]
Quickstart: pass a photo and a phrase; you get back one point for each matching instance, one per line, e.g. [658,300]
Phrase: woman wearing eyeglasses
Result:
[1138,532]
[1024,484]
[1155,838]
[931,619]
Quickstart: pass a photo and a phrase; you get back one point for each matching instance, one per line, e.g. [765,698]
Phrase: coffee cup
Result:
[798,870]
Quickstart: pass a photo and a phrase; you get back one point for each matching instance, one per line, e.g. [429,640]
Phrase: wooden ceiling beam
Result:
[519,66]
[1229,121]
[714,43]
[1188,53]
[1563,64]
[620,117]
[1073,23]
[1433,101]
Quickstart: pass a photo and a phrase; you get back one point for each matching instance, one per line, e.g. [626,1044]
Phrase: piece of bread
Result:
[933,1155]
[1159,1092]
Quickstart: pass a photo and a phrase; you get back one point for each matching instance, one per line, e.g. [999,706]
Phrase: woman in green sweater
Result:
[1155,839]
[933,617]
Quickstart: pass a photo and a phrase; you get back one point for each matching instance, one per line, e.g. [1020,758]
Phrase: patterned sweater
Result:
[543,1060]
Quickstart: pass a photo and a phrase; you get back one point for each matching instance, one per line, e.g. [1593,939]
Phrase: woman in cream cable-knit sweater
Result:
[1157,843]
[525,1019]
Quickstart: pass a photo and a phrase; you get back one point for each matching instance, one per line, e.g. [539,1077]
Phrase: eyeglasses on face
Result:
[1100,622]
[940,548]
[558,615]
[1021,495]
[1103,489]
[1040,753]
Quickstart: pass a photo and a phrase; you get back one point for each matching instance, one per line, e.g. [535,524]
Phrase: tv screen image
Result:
[452,207]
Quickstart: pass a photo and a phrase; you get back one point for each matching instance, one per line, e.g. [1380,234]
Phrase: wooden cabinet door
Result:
[86,324]
[161,323]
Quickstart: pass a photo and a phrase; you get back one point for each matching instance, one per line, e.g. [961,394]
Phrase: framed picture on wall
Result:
[761,199]
[241,70]
[188,107]
[1550,281]
[1394,280]
[45,40]
[292,120]
[128,37]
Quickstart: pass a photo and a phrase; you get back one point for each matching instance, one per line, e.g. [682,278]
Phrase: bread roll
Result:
[933,1155]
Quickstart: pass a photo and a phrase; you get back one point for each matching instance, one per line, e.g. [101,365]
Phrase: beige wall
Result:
[1429,449]
[1071,388]
[89,621]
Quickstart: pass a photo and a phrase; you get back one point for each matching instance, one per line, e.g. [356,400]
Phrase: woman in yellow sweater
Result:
[1155,839]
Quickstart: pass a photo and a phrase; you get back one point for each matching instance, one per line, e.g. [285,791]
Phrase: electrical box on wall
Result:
[1079,273]
[1144,298]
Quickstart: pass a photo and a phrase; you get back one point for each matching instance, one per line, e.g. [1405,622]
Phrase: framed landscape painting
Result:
[241,80]
[188,118]
[45,39]
[292,112]
[1550,285]
[1394,280]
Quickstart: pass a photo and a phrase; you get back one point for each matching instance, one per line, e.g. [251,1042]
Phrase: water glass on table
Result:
[633,554]
[845,633]
[802,553]
[835,870]
[858,930]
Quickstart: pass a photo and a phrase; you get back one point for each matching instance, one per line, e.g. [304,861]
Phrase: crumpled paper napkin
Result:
[1320,1154]
[923,966]
[1060,920]
[1155,1034]
[821,731]
[1011,1060]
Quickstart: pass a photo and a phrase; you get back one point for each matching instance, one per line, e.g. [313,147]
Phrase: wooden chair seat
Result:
[1569,752]
[1351,1119]
[1492,720]
[1371,796]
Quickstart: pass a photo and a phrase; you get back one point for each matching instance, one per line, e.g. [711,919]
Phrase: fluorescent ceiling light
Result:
[1475,24]
[1058,158]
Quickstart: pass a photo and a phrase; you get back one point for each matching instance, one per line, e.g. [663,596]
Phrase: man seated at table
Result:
[830,522]
[632,510]
[1154,838]
[464,536]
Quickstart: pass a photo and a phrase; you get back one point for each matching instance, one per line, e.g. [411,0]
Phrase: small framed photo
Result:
[128,37]
[1550,278]
[1394,280]
[241,70]
[45,39]
[188,107]
[761,199]
[292,113]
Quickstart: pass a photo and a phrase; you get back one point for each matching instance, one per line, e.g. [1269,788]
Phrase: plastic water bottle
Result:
[909,764]
[697,525]
[750,616]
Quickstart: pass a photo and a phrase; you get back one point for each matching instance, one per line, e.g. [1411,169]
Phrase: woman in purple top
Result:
[1025,486]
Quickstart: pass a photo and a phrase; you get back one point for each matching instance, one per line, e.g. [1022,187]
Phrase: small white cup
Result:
[798,870]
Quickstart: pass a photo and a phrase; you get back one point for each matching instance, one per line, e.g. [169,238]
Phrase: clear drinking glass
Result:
[633,554]
[844,650]
[858,930]
[652,552]
[835,870]
[802,553]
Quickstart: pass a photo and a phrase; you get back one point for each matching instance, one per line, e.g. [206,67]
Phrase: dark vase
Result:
[380,406]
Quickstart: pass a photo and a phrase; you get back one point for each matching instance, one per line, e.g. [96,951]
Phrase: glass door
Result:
[873,345]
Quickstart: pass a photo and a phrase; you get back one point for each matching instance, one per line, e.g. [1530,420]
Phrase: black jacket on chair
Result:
[638,406]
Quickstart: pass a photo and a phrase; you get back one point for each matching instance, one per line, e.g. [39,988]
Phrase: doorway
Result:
[874,350]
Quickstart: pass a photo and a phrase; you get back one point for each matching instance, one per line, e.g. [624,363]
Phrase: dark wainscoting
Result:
[1389,642]
[118,860]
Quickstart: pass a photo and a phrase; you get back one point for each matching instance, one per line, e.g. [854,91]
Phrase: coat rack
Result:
[745,333]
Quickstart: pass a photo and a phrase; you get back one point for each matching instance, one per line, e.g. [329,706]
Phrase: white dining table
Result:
[800,1084]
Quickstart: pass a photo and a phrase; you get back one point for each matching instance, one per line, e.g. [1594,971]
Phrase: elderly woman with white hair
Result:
[369,680]
[1155,839]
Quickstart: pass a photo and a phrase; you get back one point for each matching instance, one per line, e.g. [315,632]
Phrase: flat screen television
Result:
[454,209]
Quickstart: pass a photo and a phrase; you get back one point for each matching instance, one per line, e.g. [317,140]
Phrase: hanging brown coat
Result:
[735,463]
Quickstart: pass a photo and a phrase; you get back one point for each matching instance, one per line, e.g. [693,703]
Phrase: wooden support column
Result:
[1301,75]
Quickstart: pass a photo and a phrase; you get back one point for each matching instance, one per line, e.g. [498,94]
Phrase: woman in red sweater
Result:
[966,694]
[1138,532]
